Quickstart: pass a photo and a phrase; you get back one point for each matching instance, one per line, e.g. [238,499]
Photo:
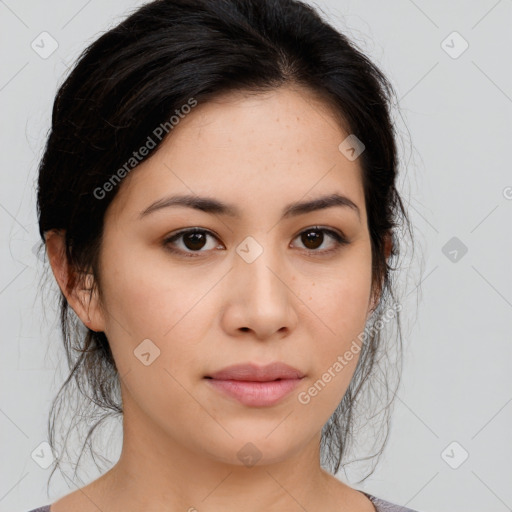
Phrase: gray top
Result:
[380,505]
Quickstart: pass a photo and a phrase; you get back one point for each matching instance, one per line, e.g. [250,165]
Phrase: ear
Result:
[376,294]
[84,303]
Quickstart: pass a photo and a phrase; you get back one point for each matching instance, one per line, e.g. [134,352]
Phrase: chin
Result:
[256,448]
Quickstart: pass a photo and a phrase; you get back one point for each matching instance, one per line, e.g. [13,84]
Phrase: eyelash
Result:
[339,239]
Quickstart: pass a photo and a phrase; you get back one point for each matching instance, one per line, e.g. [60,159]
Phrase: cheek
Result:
[154,327]
[149,299]
[340,299]
[146,293]
[339,309]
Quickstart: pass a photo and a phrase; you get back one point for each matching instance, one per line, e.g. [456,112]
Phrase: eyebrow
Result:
[214,206]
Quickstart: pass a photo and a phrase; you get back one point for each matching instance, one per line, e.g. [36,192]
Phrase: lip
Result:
[255,373]
[256,386]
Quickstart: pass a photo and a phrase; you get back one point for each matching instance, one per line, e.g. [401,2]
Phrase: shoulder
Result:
[385,506]
[46,508]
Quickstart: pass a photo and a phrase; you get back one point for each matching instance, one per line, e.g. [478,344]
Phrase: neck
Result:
[157,472]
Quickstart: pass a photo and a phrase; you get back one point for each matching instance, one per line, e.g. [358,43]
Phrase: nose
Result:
[260,298]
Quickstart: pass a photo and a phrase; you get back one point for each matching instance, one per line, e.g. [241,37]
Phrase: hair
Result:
[130,81]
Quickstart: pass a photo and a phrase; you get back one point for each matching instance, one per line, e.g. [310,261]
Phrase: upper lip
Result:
[255,373]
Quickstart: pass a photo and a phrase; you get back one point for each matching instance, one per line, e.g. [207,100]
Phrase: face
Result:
[257,283]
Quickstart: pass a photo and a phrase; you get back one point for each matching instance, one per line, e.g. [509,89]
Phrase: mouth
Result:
[256,386]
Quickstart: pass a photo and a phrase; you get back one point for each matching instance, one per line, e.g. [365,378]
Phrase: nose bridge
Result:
[256,267]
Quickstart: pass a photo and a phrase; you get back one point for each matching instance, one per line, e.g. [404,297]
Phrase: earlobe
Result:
[91,314]
[81,296]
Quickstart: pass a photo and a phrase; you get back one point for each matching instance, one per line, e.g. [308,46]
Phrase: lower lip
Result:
[256,394]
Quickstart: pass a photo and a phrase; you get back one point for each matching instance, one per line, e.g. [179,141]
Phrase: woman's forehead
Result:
[240,147]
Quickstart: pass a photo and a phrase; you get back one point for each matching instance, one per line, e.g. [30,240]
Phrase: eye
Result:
[314,237]
[193,240]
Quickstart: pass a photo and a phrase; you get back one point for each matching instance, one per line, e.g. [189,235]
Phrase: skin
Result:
[291,304]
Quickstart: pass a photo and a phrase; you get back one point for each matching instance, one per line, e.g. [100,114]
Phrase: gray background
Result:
[456,127]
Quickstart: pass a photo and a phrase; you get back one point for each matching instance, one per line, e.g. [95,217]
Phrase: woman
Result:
[217,200]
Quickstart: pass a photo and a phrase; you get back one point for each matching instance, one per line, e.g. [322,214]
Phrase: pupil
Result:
[313,236]
[193,238]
